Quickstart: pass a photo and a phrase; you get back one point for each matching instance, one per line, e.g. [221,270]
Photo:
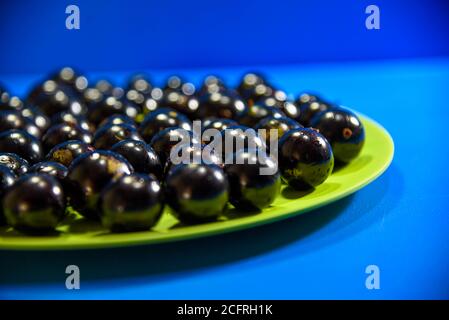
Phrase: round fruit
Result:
[344,130]
[222,104]
[63,132]
[89,174]
[140,155]
[54,169]
[35,203]
[188,153]
[140,83]
[7,178]
[254,180]
[67,151]
[164,141]
[132,203]
[22,144]
[161,119]
[305,158]
[236,138]
[116,119]
[258,112]
[110,106]
[39,119]
[69,118]
[11,160]
[308,110]
[281,125]
[196,192]
[107,136]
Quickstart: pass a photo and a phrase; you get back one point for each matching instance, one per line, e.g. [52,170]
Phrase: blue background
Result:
[398,75]
[120,35]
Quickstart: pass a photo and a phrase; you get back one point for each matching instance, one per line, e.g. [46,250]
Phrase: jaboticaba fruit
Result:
[196,192]
[67,151]
[305,158]
[344,130]
[132,203]
[254,180]
[89,174]
[21,143]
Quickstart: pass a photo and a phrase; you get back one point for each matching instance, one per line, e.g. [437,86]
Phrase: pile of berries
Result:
[105,151]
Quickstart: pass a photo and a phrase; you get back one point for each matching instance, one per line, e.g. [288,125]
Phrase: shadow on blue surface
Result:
[310,231]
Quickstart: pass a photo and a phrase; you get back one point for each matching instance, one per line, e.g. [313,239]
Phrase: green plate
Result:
[77,233]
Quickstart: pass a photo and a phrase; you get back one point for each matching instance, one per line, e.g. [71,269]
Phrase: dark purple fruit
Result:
[344,131]
[21,143]
[52,98]
[67,151]
[54,169]
[140,83]
[305,158]
[140,155]
[212,84]
[110,106]
[184,103]
[69,77]
[307,97]
[254,87]
[165,140]
[107,136]
[258,112]
[7,179]
[236,138]
[117,119]
[281,125]
[39,119]
[89,174]
[132,203]
[34,204]
[308,110]
[161,119]
[254,180]
[11,160]
[69,118]
[10,119]
[196,192]
[223,104]
[188,153]
[63,132]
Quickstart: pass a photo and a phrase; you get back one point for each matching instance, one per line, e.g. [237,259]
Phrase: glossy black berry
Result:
[37,117]
[17,164]
[132,203]
[212,84]
[107,136]
[67,151]
[89,174]
[71,78]
[110,106]
[140,155]
[184,103]
[258,112]
[63,132]
[34,203]
[52,98]
[165,140]
[344,130]
[236,138]
[7,179]
[21,143]
[223,104]
[188,153]
[254,180]
[196,192]
[117,119]
[54,169]
[310,109]
[305,158]
[10,119]
[280,125]
[161,119]
[69,118]
[140,83]
[254,87]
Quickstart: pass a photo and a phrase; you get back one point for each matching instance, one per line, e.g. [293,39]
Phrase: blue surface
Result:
[136,34]
[399,222]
